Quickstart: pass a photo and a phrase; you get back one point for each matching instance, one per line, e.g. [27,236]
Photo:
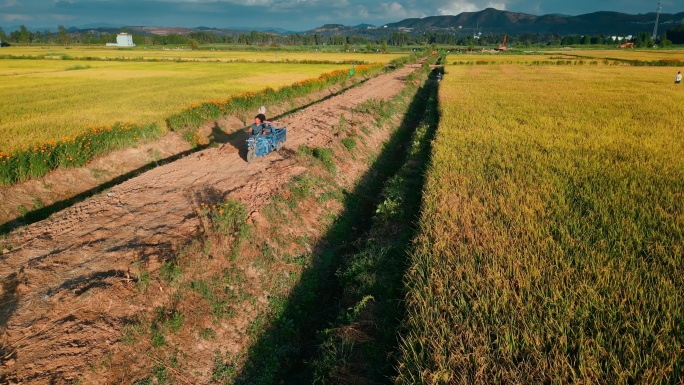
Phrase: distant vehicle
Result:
[4,44]
[625,45]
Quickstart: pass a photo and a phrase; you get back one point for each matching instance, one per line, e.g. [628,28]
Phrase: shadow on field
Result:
[282,353]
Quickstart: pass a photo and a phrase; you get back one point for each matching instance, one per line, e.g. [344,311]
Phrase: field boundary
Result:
[198,136]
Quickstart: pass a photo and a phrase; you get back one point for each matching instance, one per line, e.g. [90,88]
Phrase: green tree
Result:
[49,38]
[24,35]
[194,44]
[676,35]
[383,45]
[89,36]
[665,42]
[644,40]
[3,37]
[62,35]
[254,37]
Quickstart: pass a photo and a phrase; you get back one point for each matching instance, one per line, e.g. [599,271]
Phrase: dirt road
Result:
[65,279]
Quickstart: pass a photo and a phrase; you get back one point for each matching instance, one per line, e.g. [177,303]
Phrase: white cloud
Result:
[499,6]
[249,3]
[9,17]
[394,10]
[454,7]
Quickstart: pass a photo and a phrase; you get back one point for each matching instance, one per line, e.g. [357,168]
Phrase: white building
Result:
[122,40]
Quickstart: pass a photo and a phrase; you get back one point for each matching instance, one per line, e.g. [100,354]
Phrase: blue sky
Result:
[295,15]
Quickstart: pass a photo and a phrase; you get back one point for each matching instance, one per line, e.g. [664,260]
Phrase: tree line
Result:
[388,38]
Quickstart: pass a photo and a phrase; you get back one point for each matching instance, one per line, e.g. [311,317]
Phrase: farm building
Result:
[122,40]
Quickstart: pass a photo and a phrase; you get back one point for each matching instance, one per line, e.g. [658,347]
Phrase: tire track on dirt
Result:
[66,281]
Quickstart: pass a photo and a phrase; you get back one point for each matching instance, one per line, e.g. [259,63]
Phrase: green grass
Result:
[349,144]
[361,344]
[551,233]
[75,151]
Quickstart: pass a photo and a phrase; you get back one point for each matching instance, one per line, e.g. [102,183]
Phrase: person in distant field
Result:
[260,126]
[678,77]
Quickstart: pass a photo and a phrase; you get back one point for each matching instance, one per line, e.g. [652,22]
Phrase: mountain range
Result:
[491,20]
[487,21]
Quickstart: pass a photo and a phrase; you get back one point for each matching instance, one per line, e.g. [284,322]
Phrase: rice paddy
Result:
[46,99]
[185,54]
[552,232]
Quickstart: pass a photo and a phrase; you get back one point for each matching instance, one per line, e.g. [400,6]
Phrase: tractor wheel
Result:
[250,156]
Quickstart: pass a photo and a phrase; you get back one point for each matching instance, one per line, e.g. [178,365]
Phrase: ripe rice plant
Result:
[573,57]
[221,55]
[196,114]
[645,55]
[71,151]
[552,232]
[51,101]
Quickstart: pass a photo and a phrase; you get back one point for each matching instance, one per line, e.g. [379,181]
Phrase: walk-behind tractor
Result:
[262,144]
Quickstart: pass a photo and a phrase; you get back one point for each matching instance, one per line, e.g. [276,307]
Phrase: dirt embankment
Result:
[37,198]
[67,281]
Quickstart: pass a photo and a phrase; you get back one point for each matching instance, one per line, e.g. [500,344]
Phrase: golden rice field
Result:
[587,56]
[551,242]
[630,54]
[504,58]
[152,53]
[46,99]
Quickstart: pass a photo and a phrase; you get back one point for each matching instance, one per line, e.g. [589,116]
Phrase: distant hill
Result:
[492,20]
[487,21]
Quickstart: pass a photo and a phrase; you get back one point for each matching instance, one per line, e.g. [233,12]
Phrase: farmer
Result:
[678,77]
[260,126]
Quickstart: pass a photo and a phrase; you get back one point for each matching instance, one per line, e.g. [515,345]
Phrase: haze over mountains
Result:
[487,21]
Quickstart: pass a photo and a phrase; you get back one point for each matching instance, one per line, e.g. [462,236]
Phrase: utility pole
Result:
[655,28]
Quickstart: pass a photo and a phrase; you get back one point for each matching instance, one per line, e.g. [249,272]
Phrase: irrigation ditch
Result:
[348,331]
